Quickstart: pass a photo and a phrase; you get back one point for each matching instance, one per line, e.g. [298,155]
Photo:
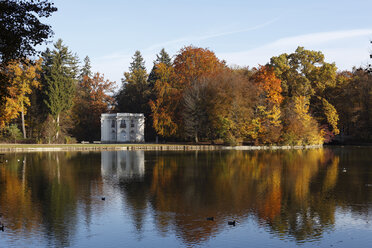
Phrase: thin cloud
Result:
[190,39]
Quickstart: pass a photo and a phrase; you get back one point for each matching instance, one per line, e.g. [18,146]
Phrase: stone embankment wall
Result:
[149,148]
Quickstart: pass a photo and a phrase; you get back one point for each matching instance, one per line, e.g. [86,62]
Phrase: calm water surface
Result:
[306,198]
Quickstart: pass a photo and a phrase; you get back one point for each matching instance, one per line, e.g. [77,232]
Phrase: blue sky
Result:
[244,33]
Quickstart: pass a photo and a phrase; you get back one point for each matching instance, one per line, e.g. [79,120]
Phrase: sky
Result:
[243,33]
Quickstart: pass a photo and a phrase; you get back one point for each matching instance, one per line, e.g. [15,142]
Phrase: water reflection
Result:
[123,164]
[54,198]
[40,193]
[275,187]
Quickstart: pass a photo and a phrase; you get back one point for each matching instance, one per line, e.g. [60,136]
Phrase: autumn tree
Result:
[356,112]
[192,63]
[60,82]
[163,107]
[305,74]
[23,77]
[300,127]
[162,57]
[231,109]
[94,97]
[267,119]
[195,109]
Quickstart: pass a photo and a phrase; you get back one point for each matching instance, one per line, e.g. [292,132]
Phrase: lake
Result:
[281,198]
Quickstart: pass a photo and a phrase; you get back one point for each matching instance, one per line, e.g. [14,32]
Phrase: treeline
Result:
[294,99]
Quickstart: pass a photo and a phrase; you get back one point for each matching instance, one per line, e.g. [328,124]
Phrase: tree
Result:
[234,98]
[138,63]
[23,77]
[268,113]
[301,128]
[13,132]
[93,98]
[195,110]
[304,73]
[21,29]
[164,58]
[61,80]
[134,96]
[86,69]
[192,63]
[164,105]
[356,112]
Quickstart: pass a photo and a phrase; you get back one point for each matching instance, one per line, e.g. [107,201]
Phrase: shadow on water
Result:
[293,195]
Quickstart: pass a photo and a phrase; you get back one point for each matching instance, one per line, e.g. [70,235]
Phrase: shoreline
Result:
[144,147]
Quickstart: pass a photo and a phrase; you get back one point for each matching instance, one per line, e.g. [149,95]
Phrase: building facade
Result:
[122,127]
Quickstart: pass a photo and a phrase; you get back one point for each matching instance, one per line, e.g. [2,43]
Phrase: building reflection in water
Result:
[123,165]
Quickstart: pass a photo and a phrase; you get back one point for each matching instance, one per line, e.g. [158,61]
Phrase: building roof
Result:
[122,115]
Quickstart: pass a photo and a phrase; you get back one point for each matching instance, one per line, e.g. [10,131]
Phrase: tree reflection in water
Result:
[277,187]
[41,192]
[294,195]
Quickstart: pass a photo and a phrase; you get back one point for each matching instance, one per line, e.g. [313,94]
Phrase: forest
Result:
[192,96]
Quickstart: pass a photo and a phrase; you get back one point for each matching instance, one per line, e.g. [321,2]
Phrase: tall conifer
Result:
[61,82]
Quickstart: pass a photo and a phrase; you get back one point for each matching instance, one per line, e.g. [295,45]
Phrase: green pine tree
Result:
[86,69]
[162,57]
[134,95]
[138,63]
[60,82]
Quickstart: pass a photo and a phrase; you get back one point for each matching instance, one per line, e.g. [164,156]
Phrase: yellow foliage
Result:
[23,77]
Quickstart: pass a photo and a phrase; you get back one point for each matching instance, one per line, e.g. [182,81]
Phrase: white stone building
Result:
[122,127]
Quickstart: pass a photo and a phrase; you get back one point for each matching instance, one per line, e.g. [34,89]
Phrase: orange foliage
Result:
[193,63]
[97,89]
[269,83]
[268,114]
[93,99]
[167,99]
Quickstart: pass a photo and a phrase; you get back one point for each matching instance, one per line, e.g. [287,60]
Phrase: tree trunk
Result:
[23,124]
[57,133]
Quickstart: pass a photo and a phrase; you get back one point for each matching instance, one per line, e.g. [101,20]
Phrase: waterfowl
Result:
[210,218]
[231,223]
[344,170]
[1,226]
[103,198]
